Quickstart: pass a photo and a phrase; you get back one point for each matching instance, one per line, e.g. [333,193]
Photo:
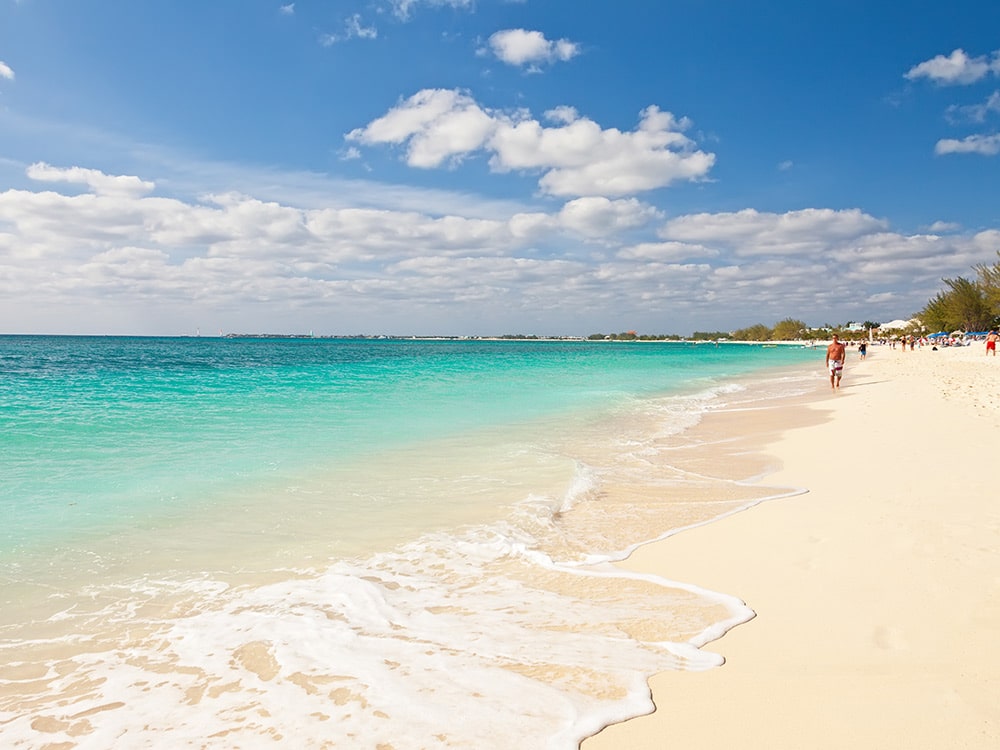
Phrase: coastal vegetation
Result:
[633,336]
[966,304]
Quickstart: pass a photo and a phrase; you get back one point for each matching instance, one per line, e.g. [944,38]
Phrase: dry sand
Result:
[877,592]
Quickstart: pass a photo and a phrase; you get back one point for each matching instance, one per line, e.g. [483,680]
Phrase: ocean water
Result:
[352,543]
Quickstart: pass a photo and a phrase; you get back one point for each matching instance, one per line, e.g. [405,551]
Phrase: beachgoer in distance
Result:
[863,349]
[991,342]
[836,353]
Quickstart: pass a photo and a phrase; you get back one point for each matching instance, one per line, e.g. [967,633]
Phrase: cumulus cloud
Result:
[254,264]
[885,247]
[575,155]
[939,227]
[960,69]
[579,157]
[94,180]
[436,125]
[956,69]
[520,47]
[287,10]
[601,217]
[667,252]
[750,232]
[985,145]
[5,71]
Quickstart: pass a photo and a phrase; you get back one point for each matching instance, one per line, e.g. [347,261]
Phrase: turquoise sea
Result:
[352,543]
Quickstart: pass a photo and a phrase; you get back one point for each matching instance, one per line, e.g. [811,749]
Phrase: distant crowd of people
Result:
[910,342]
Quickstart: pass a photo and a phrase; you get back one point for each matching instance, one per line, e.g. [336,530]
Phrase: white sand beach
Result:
[877,592]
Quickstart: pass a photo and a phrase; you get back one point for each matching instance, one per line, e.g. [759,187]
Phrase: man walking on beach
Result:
[991,342]
[836,353]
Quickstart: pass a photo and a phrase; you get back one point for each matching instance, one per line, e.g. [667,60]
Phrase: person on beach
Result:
[836,353]
[991,342]
[863,349]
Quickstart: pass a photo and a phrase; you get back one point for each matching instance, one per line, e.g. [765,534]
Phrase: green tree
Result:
[788,329]
[757,332]
[964,305]
[989,281]
[709,335]
[935,315]
[969,304]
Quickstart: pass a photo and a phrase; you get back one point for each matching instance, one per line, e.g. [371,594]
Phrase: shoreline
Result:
[875,593]
[541,643]
[265,637]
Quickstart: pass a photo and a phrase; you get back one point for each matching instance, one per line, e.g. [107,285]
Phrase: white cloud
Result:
[985,145]
[986,240]
[941,227]
[667,252]
[960,69]
[403,8]
[242,263]
[576,157]
[880,297]
[5,71]
[562,115]
[601,217]
[437,125]
[520,47]
[356,29]
[581,158]
[94,180]
[353,29]
[975,112]
[956,69]
[749,232]
[287,10]
[881,247]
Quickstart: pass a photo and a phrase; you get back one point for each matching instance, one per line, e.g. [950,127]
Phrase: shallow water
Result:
[350,543]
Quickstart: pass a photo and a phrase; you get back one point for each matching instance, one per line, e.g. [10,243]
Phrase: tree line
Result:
[966,304]
[788,329]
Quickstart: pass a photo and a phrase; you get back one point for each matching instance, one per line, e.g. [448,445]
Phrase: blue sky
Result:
[471,168]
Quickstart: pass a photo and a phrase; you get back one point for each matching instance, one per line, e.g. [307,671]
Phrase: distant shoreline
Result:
[387,337]
[608,340]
